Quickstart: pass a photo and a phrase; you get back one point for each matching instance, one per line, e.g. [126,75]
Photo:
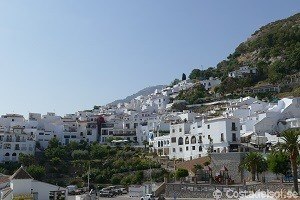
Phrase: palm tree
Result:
[250,163]
[291,146]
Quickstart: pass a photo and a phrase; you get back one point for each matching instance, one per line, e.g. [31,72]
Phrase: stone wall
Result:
[231,161]
[207,191]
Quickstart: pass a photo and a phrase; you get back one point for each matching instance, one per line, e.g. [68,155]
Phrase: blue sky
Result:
[66,55]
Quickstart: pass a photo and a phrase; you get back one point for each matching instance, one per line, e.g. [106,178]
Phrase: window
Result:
[200,139]
[208,126]
[180,130]
[233,127]
[187,140]
[233,137]
[180,141]
[41,133]
[193,147]
[193,140]
[173,140]
[186,148]
[222,137]
[174,150]
[200,148]
[180,149]
[173,130]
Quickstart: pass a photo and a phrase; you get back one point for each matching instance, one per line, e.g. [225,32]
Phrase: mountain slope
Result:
[144,92]
[274,49]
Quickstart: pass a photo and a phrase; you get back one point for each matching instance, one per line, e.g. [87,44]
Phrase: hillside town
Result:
[214,122]
[229,126]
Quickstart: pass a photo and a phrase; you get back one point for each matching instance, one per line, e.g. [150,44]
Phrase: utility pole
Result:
[89,176]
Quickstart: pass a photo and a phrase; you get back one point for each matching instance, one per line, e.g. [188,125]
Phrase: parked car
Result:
[148,197]
[106,193]
[123,190]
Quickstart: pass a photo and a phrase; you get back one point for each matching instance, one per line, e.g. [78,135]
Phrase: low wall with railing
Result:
[207,191]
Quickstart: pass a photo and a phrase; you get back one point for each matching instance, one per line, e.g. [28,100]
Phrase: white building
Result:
[22,184]
[189,140]
[242,72]
[210,83]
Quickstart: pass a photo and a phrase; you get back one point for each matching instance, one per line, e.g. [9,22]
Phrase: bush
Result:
[36,171]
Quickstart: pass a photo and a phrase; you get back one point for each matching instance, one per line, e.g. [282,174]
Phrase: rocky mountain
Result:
[144,92]
[274,49]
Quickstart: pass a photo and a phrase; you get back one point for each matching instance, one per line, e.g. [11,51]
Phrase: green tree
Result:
[198,167]
[98,151]
[251,163]
[26,159]
[291,146]
[80,155]
[183,77]
[116,180]
[126,180]
[138,178]
[179,106]
[195,74]
[53,143]
[181,173]
[176,81]
[36,171]
[278,162]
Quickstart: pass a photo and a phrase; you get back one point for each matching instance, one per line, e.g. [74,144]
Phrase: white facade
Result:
[210,83]
[190,140]
[242,71]
[21,183]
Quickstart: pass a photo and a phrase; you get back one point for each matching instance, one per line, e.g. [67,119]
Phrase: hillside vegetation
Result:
[274,49]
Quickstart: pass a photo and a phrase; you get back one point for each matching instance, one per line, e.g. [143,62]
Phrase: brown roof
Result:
[21,174]
[4,179]
[189,165]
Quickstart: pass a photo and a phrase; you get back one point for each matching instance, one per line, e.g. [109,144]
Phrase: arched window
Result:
[187,140]
[158,143]
[200,148]
[7,154]
[180,141]
[193,140]
[161,143]
[14,154]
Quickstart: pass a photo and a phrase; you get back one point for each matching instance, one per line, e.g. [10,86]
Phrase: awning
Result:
[247,134]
